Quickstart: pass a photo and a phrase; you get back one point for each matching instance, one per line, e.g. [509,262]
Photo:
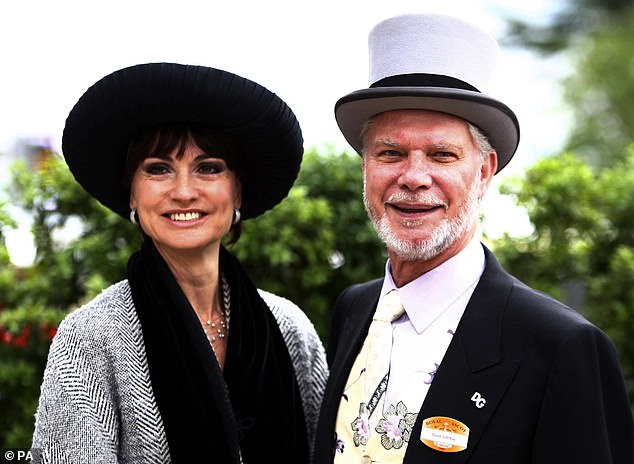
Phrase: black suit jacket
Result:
[553,387]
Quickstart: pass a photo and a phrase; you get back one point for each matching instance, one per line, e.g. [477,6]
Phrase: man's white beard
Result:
[440,239]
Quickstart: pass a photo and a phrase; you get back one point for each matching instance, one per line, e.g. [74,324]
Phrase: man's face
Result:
[423,181]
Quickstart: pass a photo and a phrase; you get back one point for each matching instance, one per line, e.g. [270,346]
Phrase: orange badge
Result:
[444,434]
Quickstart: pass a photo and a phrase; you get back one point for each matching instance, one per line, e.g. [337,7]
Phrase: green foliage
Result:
[25,334]
[286,251]
[338,177]
[582,205]
[583,220]
[101,241]
[318,240]
[601,92]
[308,248]
[567,21]
[560,225]
[599,37]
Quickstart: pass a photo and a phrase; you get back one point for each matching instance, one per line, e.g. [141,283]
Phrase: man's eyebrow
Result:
[448,146]
[387,142]
[441,145]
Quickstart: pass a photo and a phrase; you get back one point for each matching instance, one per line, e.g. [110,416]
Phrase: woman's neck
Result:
[197,275]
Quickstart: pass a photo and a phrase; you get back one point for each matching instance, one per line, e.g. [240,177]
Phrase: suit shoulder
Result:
[360,289]
[531,308]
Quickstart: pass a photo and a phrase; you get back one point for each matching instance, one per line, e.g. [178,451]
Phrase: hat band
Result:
[423,80]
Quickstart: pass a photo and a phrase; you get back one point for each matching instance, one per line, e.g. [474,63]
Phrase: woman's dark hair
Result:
[161,141]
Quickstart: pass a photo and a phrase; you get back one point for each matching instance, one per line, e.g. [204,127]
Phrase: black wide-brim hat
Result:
[436,63]
[118,107]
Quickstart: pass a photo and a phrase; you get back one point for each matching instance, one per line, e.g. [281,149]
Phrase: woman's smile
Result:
[185,217]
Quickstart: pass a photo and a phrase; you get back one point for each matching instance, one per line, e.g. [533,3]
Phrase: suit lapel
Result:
[353,331]
[471,379]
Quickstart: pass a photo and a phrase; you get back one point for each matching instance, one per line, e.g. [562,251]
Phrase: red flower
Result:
[48,331]
[22,339]
[5,336]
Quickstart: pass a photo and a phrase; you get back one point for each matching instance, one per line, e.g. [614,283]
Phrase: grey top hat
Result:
[432,62]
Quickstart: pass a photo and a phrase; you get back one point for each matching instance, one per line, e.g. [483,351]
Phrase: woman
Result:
[185,360]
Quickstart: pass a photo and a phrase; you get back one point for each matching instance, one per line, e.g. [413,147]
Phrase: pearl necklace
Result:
[216,331]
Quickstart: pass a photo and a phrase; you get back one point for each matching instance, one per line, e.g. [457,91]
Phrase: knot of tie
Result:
[389,308]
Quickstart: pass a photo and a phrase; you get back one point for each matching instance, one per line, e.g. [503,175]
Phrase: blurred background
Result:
[560,216]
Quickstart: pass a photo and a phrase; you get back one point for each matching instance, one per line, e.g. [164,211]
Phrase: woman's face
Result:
[185,204]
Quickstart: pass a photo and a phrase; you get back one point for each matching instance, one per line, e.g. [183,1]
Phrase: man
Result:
[482,369]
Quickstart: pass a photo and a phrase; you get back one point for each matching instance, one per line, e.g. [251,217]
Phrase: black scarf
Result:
[254,407]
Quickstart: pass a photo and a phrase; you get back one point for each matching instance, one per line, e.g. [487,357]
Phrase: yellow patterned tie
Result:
[361,405]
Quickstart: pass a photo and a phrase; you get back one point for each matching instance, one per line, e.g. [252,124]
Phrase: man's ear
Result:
[487,171]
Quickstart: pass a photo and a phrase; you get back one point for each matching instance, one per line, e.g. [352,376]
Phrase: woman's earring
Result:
[236,216]
[133,217]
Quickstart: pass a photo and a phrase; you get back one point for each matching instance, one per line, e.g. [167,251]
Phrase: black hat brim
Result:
[494,118]
[114,110]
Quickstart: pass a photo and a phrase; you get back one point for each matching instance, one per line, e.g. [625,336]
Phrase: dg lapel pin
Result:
[478,400]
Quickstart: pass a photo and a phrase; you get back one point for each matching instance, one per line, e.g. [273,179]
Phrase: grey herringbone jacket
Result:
[97,404]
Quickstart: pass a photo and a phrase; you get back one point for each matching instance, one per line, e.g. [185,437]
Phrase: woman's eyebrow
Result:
[204,156]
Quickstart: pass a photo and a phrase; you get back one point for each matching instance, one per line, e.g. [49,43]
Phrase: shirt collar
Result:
[426,297]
